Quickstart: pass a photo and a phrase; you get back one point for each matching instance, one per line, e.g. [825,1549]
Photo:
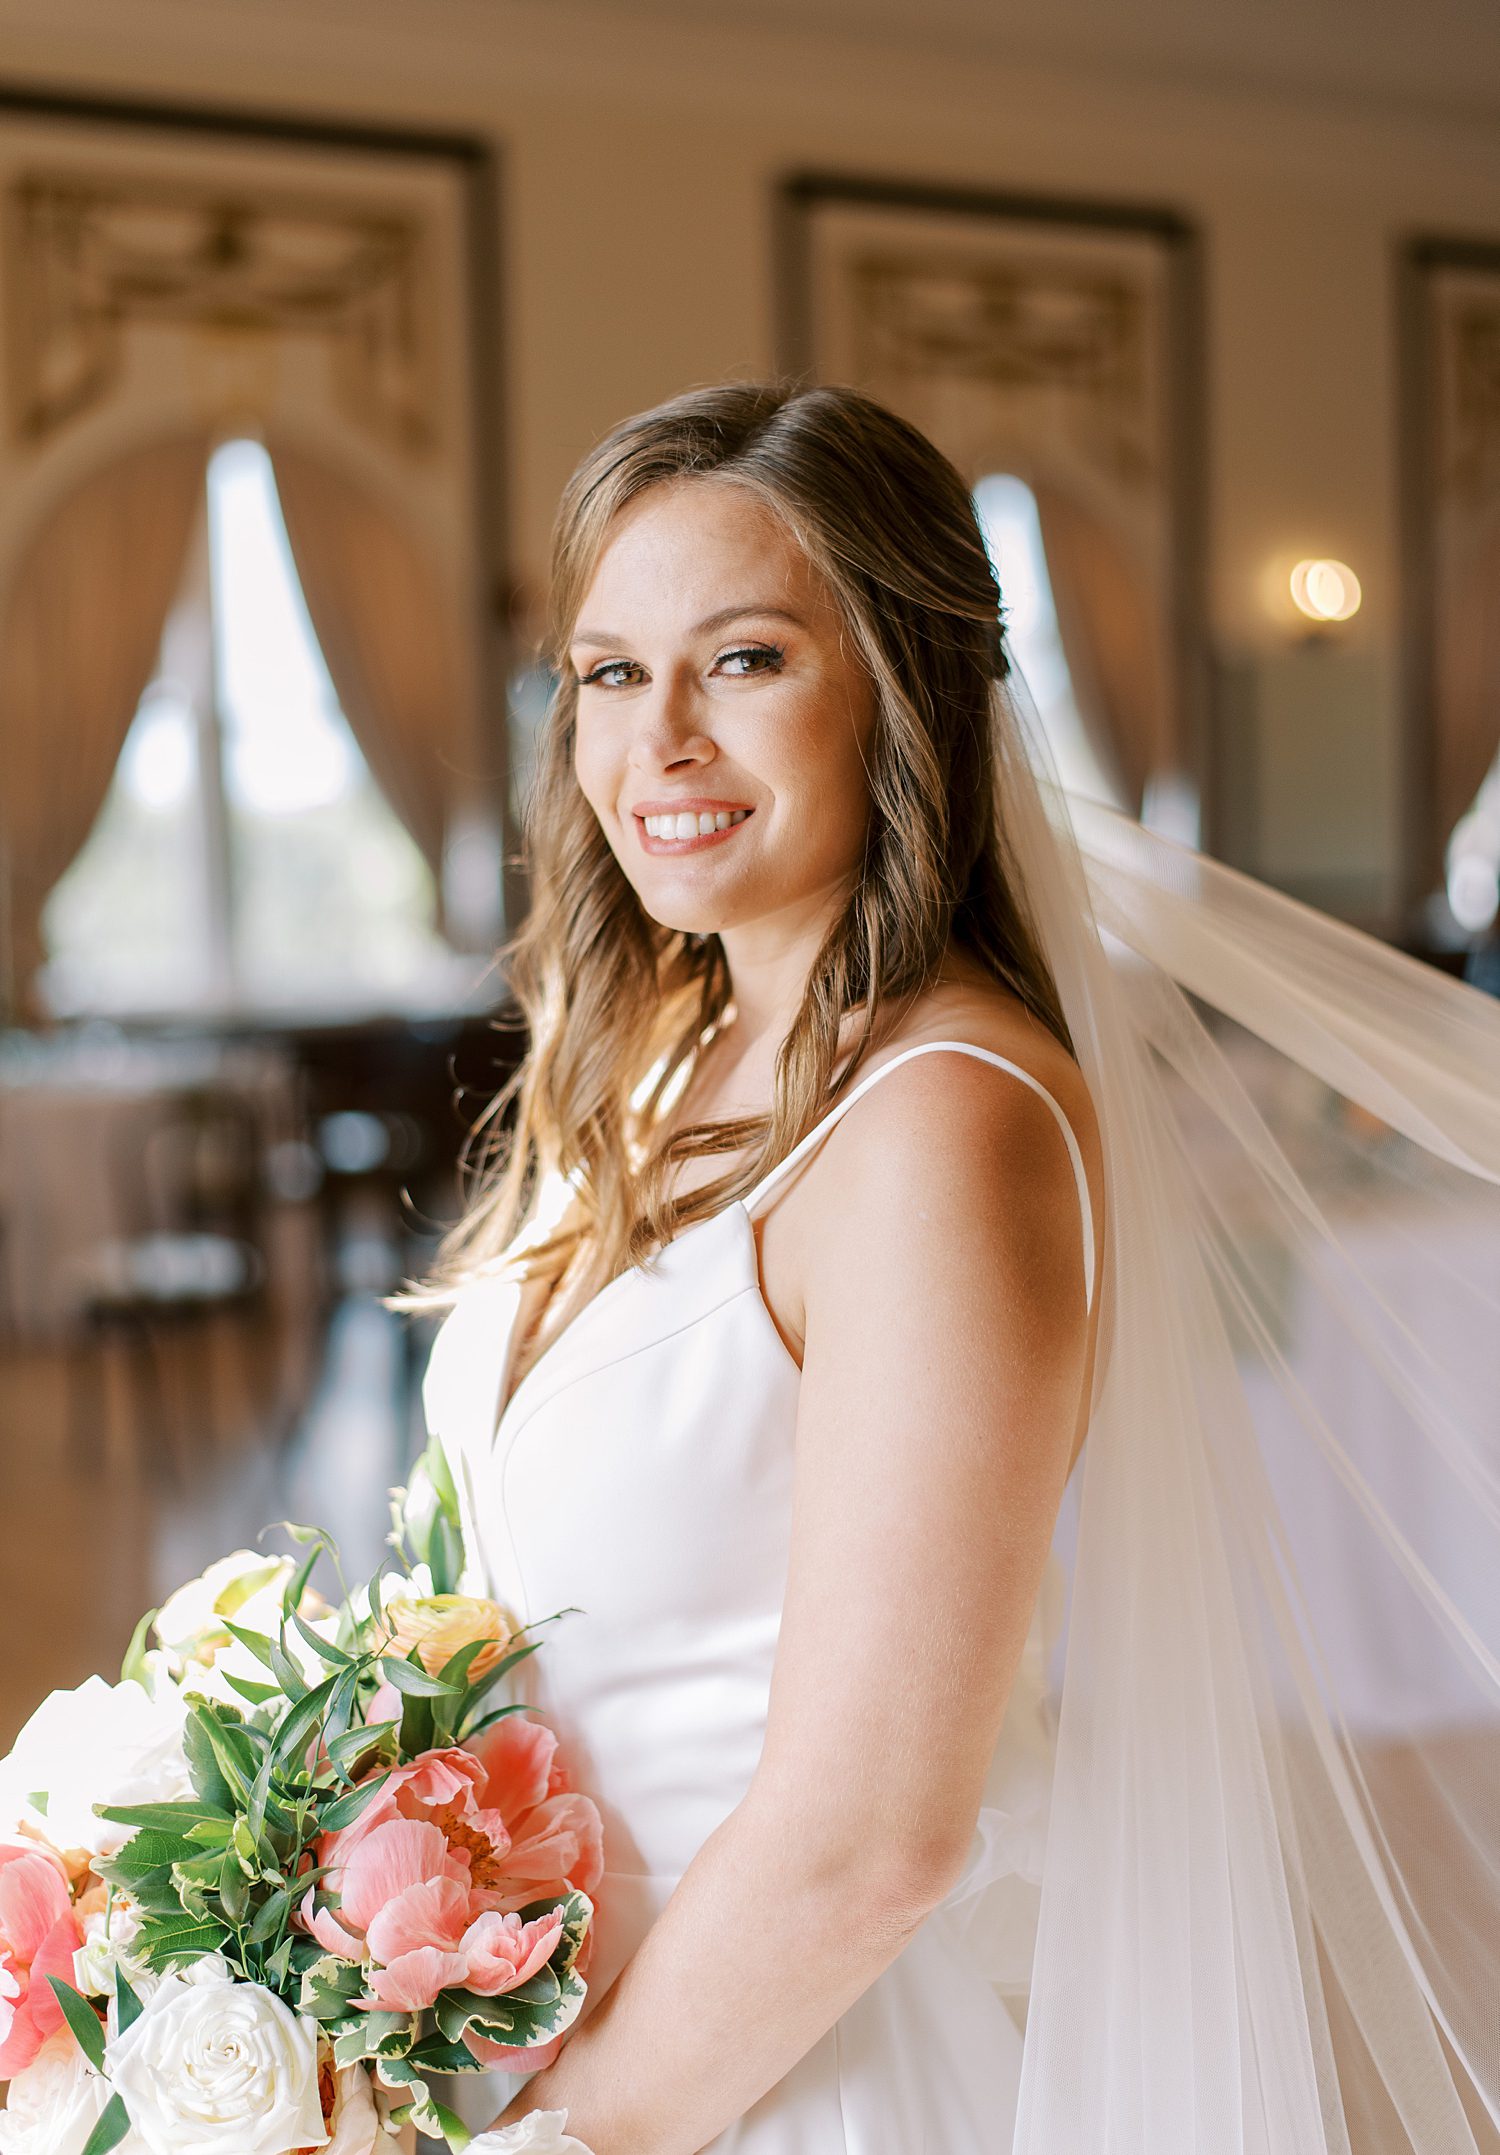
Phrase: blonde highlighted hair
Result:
[611,998]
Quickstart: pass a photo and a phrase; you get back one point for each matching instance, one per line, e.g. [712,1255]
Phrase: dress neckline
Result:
[508,1406]
[746,1206]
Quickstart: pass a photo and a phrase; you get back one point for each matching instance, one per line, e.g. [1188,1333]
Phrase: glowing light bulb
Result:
[1325,590]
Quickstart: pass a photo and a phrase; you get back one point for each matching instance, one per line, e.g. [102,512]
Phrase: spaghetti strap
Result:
[768,1183]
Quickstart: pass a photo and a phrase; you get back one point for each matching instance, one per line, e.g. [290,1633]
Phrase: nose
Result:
[668,729]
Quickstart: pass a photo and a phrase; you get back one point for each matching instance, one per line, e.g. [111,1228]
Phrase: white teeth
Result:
[689,825]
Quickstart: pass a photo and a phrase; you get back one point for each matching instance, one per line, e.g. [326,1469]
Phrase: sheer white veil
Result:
[1270,1908]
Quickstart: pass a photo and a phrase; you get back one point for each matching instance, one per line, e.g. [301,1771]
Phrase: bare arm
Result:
[941,1390]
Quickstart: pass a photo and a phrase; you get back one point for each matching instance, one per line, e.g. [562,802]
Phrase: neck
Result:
[769,963]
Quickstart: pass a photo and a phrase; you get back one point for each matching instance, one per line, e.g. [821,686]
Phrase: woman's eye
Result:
[763,658]
[770,652]
[617,665]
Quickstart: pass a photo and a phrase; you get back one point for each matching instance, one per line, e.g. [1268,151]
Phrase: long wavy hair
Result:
[616,1006]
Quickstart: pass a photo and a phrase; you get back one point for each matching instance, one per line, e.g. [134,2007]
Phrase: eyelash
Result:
[775,652]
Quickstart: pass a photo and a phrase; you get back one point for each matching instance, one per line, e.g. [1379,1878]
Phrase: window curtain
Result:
[386,633]
[82,628]
[1466,704]
[1109,621]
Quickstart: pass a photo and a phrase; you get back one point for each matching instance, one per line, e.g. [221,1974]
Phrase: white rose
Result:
[145,1982]
[540,2132]
[215,2067]
[245,1588]
[108,1933]
[103,1743]
[53,2106]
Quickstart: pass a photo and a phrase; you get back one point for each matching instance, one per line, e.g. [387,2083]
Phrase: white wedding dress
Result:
[641,1475]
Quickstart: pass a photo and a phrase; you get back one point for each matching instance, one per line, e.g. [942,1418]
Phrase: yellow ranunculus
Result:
[441,1625]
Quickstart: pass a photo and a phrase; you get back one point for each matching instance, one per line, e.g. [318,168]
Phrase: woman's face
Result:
[718,682]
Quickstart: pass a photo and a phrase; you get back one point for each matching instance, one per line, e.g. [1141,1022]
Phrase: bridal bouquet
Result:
[300,1860]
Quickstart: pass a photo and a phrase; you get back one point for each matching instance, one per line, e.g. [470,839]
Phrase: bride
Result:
[855,1215]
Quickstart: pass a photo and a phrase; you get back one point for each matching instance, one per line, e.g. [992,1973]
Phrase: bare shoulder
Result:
[954,1171]
[952,1107]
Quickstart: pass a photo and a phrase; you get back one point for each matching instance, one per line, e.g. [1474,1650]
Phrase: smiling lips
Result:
[688,830]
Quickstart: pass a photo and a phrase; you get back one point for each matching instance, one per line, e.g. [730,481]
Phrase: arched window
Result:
[244,858]
[1007,513]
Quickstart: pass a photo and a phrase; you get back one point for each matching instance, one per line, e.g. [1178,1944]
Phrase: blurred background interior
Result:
[307,310]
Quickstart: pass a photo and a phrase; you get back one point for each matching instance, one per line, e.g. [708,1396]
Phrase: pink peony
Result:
[409,1910]
[504,1806]
[557,1843]
[39,1934]
[515,2057]
[556,1837]
[431,1877]
[439,1788]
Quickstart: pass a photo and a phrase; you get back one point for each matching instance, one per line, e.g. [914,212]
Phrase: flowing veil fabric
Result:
[1269,1917]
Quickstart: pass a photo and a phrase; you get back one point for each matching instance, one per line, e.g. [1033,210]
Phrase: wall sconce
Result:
[1309,603]
[1325,591]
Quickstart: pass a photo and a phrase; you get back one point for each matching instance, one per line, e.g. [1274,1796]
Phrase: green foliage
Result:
[113,2125]
[452,2127]
[426,1524]
[297,1758]
[329,1988]
[254,1642]
[133,1667]
[82,2019]
[127,2004]
[411,1678]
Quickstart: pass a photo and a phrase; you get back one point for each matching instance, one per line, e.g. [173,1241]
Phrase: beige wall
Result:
[638,167]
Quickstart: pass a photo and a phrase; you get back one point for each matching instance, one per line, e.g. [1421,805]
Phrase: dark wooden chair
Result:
[190,1198]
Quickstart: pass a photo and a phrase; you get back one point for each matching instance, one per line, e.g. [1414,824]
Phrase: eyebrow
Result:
[710,621]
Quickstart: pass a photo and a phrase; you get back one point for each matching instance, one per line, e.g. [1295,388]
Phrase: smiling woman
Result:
[858,1192]
[765,855]
[774,730]
[733,630]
